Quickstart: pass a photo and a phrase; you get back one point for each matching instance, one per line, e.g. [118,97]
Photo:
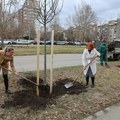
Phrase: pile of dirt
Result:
[27,96]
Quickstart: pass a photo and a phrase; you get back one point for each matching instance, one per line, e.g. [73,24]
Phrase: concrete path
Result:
[110,113]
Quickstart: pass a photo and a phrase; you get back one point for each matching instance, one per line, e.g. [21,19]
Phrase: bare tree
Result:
[83,18]
[70,34]
[46,10]
[7,18]
[58,30]
[69,21]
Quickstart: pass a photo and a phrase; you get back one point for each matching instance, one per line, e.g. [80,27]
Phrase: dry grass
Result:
[64,104]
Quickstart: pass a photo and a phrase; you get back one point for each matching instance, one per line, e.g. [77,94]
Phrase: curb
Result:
[97,114]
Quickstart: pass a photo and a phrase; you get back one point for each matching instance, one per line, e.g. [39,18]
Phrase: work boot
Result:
[101,64]
[93,82]
[87,82]
[92,86]
[107,65]
[86,85]
[8,92]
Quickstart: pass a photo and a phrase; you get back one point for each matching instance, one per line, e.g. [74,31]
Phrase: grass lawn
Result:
[31,50]
[63,104]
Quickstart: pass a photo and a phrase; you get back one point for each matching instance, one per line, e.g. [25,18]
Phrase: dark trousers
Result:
[92,80]
[103,58]
[5,77]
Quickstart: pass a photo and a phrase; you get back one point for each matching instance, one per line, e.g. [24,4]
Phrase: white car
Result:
[6,42]
[22,41]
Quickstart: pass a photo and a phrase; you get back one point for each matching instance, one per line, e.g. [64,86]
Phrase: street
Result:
[28,63]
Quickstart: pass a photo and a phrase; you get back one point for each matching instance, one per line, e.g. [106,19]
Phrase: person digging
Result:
[6,59]
[88,55]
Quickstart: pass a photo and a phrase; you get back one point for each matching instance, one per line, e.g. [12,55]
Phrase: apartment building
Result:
[118,29]
[26,18]
[102,31]
[112,28]
[110,31]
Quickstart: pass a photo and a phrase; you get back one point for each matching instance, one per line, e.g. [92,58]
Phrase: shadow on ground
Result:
[27,97]
[118,66]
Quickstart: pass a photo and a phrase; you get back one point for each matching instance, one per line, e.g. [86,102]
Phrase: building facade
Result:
[27,18]
[109,31]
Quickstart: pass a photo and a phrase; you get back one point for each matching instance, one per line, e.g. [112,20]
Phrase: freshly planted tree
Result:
[45,11]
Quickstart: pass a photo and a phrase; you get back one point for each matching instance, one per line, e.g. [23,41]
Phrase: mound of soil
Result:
[27,96]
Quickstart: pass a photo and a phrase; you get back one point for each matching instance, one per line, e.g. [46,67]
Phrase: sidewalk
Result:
[110,113]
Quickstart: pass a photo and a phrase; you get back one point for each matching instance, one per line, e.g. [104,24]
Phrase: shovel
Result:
[21,76]
[70,84]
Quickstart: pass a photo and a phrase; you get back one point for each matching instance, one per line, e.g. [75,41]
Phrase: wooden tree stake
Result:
[38,50]
[51,70]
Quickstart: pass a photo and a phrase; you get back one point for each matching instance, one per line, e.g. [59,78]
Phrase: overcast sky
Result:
[104,9]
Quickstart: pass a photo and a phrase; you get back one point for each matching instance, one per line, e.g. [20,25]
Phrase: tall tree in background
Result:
[58,30]
[46,10]
[83,18]
[70,34]
[7,18]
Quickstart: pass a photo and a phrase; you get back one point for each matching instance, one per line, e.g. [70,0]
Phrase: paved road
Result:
[28,63]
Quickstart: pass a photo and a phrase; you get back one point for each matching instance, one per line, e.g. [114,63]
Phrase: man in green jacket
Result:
[103,53]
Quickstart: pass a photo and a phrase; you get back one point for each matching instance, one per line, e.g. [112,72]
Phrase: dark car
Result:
[70,43]
[49,43]
[35,42]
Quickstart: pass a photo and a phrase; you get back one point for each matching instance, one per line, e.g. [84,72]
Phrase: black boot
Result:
[93,82]
[87,81]
[107,65]
[5,76]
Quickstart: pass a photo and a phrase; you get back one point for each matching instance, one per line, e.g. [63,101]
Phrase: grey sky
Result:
[104,9]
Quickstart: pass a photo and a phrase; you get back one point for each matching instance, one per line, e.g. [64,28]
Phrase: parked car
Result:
[6,42]
[49,43]
[70,43]
[78,43]
[83,43]
[35,42]
[61,42]
[23,41]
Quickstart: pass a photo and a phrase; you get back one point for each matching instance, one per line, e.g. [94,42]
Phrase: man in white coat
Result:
[90,54]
